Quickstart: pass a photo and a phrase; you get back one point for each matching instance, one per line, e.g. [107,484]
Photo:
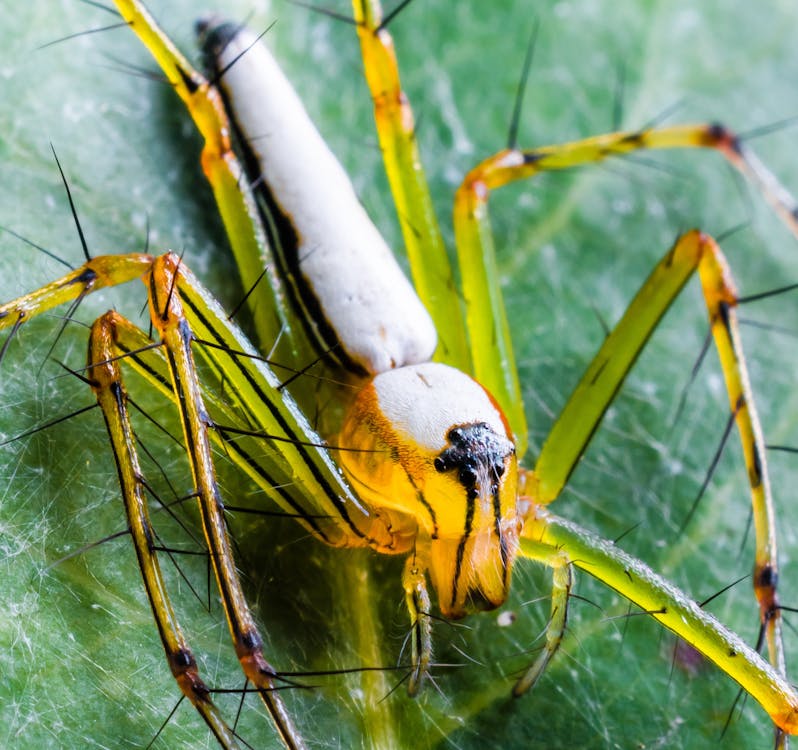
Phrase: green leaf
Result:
[81,662]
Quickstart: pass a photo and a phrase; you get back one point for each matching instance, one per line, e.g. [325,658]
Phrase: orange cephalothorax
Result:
[432,451]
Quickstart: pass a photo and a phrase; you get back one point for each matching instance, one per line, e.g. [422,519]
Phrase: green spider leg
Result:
[113,339]
[560,543]
[104,375]
[393,116]
[584,410]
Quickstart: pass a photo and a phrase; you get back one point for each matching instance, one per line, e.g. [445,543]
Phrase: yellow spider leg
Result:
[562,581]
[431,270]
[489,334]
[486,317]
[721,296]
[586,406]
[105,376]
[511,165]
[666,604]
[167,317]
[414,580]
[224,172]
[98,273]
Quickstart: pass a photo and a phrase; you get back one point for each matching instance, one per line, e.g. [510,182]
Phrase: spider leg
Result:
[100,272]
[494,364]
[562,581]
[105,375]
[546,535]
[168,319]
[166,312]
[584,410]
[418,602]
[430,267]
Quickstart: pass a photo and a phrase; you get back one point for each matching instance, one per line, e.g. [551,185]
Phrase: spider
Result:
[482,629]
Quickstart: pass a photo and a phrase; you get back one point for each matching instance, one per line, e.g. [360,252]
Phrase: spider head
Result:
[433,453]
[471,558]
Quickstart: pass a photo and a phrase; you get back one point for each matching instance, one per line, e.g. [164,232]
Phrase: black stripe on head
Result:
[478,454]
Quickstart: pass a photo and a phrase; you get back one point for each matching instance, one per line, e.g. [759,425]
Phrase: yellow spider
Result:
[572,700]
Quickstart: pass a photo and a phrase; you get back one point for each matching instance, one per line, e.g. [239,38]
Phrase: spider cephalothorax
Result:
[452,487]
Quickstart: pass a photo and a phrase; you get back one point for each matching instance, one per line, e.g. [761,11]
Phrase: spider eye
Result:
[468,476]
[456,435]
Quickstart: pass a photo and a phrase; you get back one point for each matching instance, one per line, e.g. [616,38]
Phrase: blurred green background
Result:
[81,663]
